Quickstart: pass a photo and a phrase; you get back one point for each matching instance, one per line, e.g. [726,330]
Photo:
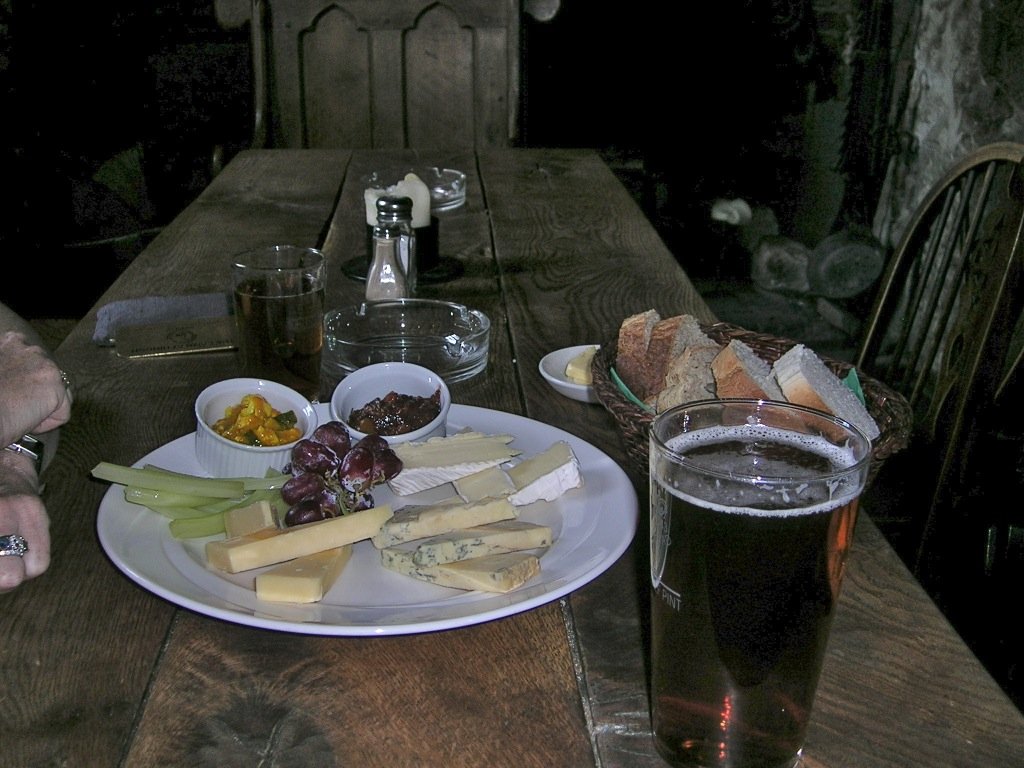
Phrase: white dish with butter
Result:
[591,527]
[552,368]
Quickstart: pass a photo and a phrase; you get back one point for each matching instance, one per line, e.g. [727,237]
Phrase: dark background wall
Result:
[117,133]
[115,112]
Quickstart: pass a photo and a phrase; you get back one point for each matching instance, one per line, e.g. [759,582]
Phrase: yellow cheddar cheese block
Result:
[243,520]
[414,522]
[480,540]
[254,550]
[304,579]
[491,573]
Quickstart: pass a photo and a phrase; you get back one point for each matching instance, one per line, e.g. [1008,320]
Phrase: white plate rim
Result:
[596,524]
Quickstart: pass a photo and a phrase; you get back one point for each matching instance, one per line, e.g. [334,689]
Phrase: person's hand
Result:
[23,514]
[35,397]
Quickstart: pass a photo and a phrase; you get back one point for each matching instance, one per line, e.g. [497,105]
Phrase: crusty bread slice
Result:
[739,372]
[669,338]
[804,379]
[631,348]
[688,378]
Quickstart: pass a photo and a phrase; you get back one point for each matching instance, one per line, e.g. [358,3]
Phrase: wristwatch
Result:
[30,447]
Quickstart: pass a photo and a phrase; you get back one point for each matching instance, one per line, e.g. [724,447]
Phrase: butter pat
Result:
[487,483]
[440,460]
[578,368]
[243,520]
[414,522]
[304,579]
[546,476]
[478,541]
[255,550]
[492,573]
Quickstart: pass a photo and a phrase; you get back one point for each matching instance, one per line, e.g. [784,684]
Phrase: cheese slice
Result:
[255,550]
[254,517]
[304,579]
[480,540]
[415,522]
[440,460]
[487,483]
[492,573]
[546,476]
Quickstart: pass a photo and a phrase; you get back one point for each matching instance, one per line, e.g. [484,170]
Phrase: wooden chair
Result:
[383,73]
[947,331]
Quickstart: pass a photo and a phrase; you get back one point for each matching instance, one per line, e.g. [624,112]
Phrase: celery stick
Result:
[269,482]
[197,527]
[223,505]
[178,513]
[273,478]
[164,481]
[150,497]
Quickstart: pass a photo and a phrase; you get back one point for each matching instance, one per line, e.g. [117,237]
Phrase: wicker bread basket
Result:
[890,410]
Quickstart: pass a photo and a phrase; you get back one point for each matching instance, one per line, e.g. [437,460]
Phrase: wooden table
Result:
[100,672]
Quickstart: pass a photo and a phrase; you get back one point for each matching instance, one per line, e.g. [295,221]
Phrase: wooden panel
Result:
[439,66]
[335,84]
[490,695]
[397,74]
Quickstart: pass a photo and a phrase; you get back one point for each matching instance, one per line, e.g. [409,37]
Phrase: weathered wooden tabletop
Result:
[97,671]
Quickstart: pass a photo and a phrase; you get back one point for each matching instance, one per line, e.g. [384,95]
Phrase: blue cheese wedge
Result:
[545,476]
[487,483]
[440,460]
[491,573]
[491,539]
[248,519]
[272,546]
[418,522]
[304,579]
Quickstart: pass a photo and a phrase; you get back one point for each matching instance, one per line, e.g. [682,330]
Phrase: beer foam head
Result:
[754,469]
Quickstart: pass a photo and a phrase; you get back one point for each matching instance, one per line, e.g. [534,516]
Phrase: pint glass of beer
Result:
[753,506]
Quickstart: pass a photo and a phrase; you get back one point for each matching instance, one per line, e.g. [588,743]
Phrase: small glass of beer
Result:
[279,314]
[752,510]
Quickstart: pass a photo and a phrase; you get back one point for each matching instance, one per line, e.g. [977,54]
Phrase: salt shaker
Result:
[386,278]
[398,210]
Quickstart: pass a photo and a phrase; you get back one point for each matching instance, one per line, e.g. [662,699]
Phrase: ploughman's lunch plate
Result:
[591,527]
[553,367]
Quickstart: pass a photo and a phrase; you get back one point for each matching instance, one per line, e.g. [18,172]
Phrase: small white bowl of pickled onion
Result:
[224,457]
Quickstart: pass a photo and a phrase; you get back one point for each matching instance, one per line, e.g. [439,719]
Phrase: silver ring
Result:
[66,379]
[13,545]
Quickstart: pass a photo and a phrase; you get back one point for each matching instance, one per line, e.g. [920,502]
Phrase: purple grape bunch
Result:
[331,476]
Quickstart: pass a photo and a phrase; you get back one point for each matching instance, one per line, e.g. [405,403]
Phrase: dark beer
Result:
[745,578]
[280,337]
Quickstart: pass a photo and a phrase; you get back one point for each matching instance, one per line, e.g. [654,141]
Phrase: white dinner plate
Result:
[592,527]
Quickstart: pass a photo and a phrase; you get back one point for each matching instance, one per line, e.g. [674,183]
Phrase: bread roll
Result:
[669,338]
[688,378]
[739,372]
[631,349]
[805,380]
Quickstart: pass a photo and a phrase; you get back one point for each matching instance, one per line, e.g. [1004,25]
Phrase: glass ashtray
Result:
[448,338]
[447,185]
